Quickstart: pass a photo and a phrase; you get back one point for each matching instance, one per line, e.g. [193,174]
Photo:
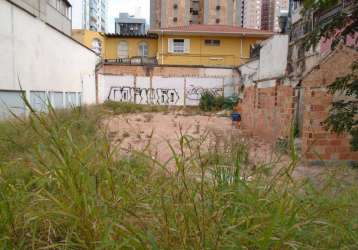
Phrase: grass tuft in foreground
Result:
[62,186]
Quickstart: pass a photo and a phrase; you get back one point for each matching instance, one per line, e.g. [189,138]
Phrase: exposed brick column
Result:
[317,142]
[268,112]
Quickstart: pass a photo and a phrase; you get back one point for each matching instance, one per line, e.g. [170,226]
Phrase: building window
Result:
[71,99]
[56,99]
[212,42]
[122,49]
[178,46]
[11,102]
[38,101]
[97,46]
[143,49]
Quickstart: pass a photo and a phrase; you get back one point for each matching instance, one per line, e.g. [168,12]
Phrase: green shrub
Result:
[219,102]
[207,101]
[231,102]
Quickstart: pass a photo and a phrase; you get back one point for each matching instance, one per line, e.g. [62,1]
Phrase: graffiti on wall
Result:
[163,96]
[194,93]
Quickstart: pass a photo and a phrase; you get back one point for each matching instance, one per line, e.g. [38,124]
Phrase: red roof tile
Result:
[219,29]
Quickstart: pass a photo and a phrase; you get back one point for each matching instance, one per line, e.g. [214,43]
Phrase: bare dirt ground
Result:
[154,132]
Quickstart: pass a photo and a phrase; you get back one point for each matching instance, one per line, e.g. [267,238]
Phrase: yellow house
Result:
[91,39]
[116,46]
[208,45]
[129,46]
[204,45]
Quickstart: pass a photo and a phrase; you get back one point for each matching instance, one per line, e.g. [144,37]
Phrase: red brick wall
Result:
[317,143]
[268,112]
[139,70]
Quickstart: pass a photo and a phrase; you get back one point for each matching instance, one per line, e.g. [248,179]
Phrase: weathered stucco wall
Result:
[165,85]
[42,59]
[273,57]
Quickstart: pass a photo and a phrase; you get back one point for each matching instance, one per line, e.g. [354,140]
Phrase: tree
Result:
[343,116]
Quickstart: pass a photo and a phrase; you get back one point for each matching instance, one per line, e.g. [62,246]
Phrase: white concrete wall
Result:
[231,86]
[110,87]
[161,90]
[42,59]
[270,65]
[196,86]
[249,72]
[273,57]
[168,90]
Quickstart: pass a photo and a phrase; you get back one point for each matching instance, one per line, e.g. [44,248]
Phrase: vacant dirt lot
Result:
[154,132]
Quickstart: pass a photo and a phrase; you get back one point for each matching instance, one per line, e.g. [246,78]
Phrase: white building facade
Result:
[41,62]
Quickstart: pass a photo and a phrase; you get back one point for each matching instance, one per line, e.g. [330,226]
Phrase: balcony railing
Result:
[134,61]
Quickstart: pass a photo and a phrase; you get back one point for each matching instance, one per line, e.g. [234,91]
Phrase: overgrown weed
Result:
[62,186]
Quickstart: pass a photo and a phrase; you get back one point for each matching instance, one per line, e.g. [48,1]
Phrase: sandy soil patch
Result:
[154,132]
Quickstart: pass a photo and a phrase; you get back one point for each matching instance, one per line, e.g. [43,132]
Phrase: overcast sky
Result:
[139,8]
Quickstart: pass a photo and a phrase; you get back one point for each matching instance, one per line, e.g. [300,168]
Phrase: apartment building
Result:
[90,14]
[172,13]
[251,14]
[126,24]
[270,12]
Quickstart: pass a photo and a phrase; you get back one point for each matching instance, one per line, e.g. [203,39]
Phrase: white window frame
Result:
[143,49]
[211,42]
[179,46]
[119,49]
[172,48]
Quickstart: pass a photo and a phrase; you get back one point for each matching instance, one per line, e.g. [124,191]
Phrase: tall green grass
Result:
[63,186]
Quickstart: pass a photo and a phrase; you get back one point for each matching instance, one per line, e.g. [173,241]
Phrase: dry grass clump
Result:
[62,187]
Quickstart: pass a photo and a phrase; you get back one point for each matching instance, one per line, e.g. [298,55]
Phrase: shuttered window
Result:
[143,49]
[178,45]
[123,49]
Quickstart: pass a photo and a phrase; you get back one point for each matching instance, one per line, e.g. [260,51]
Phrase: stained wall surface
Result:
[163,85]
